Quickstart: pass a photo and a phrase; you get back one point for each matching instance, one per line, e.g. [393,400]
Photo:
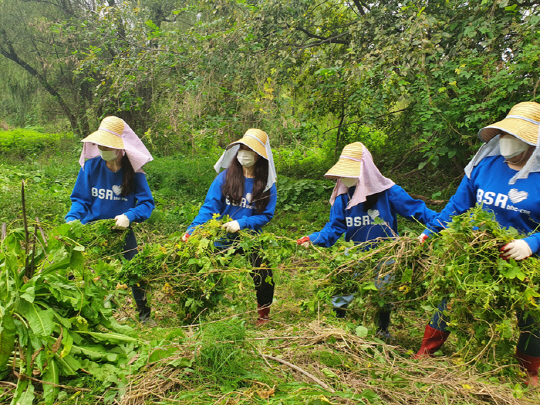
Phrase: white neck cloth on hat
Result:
[227,157]
[135,150]
[370,181]
[492,148]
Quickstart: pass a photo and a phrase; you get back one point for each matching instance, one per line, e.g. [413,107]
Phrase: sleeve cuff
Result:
[242,222]
[533,243]
[130,215]
[428,232]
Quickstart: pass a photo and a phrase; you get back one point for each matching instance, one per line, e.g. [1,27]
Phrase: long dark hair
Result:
[371,200]
[128,182]
[233,188]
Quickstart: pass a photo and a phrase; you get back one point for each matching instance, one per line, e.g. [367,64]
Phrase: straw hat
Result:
[349,162]
[109,133]
[256,140]
[522,121]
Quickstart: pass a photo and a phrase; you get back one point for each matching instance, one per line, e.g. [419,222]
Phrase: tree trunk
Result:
[12,55]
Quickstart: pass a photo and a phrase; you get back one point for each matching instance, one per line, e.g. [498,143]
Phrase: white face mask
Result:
[512,146]
[246,158]
[349,182]
[108,155]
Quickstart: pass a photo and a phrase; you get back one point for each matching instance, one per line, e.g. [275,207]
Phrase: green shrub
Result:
[182,177]
[295,195]
[26,141]
[303,162]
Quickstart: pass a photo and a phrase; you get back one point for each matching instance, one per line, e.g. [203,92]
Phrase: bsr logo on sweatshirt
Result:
[364,220]
[359,221]
[244,203]
[501,200]
[106,194]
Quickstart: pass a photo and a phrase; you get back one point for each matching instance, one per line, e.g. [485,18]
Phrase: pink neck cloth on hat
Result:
[135,150]
[370,181]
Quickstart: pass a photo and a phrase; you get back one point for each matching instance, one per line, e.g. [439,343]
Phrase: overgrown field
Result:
[202,346]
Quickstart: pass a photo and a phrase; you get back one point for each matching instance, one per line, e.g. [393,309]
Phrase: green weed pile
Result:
[56,315]
[461,265]
[191,276]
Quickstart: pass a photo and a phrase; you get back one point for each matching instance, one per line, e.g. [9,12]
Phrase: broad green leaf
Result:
[103,372]
[24,393]
[68,364]
[77,260]
[111,324]
[361,331]
[369,286]
[41,322]
[67,343]
[29,294]
[7,337]
[96,352]
[52,375]
[109,337]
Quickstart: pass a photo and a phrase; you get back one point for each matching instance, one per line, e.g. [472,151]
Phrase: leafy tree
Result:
[30,38]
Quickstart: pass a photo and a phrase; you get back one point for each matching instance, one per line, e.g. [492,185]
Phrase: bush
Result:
[186,178]
[22,142]
[302,162]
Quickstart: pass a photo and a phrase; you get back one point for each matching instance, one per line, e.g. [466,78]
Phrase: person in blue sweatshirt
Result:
[111,184]
[246,192]
[504,177]
[365,205]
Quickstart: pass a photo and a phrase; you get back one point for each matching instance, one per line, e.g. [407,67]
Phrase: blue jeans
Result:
[341,302]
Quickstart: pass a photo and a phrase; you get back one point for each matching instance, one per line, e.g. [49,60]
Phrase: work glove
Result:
[517,250]
[303,242]
[122,222]
[185,237]
[231,227]
[422,238]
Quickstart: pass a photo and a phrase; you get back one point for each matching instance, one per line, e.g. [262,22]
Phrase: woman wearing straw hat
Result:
[246,192]
[361,198]
[111,184]
[504,176]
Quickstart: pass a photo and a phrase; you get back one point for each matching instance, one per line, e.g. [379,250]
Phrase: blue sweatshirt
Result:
[96,195]
[359,225]
[514,205]
[245,212]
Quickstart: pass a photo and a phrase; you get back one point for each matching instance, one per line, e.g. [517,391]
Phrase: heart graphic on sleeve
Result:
[117,189]
[373,213]
[517,196]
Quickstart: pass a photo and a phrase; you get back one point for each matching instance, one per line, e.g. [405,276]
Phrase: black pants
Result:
[529,328]
[262,278]
[139,292]
[529,338]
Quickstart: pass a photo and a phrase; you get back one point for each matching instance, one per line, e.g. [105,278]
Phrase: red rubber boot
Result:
[432,341]
[264,315]
[531,365]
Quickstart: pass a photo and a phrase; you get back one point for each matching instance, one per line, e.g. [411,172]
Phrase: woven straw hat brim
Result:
[344,168]
[252,144]
[105,138]
[524,130]
[521,128]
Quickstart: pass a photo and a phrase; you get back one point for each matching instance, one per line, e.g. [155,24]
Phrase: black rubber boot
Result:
[139,294]
[383,323]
